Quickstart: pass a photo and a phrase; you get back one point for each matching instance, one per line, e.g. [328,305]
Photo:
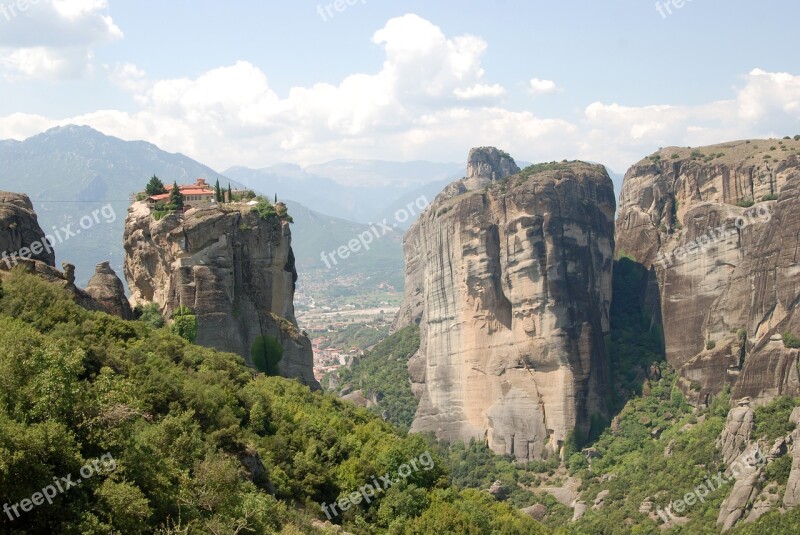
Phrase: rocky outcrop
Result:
[21,237]
[233,268]
[747,458]
[719,229]
[736,434]
[792,496]
[511,286]
[106,288]
[24,244]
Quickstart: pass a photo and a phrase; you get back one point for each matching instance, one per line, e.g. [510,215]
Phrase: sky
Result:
[256,83]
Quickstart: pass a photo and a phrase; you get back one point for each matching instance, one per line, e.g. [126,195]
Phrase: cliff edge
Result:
[511,286]
[233,267]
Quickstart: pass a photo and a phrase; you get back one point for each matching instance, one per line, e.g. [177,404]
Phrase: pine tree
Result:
[218,192]
[155,186]
[230,193]
[176,197]
[276,198]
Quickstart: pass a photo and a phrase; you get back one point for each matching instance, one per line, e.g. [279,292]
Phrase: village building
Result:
[193,194]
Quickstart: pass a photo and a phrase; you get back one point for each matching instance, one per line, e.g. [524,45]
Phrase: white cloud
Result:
[542,87]
[480,92]
[52,38]
[430,99]
[129,77]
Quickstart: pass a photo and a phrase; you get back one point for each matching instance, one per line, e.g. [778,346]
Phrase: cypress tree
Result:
[176,197]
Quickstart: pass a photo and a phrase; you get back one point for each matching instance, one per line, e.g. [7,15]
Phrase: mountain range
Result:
[71,171]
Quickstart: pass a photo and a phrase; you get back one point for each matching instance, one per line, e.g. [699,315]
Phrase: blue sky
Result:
[257,83]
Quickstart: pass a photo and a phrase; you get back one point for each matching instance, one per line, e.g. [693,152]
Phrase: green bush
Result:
[770,197]
[791,341]
[711,344]
[184,324]
[150,314]
[772,419]
[744,203]
[779,470]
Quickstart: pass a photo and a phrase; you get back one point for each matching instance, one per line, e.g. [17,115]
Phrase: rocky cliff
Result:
[20,230]
[511,285]
[24,244]
[233,268]
[719,229]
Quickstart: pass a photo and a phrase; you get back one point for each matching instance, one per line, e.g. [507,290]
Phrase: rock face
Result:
[792,496]
[106,288]
[232,268]
[511,287]
[19,230]
[727,271]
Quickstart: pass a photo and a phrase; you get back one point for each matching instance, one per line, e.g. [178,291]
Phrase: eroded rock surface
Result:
[107,289]
[232,268]
[719,228]
[511,287]
[20,230]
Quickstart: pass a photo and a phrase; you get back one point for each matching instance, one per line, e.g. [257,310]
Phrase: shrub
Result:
[150,314]
[744,203]
[779,469]
[797,137]
[770,197]
[791,341]
[265,209]
[711,345]
[772,419]
[184,324]
[675,156]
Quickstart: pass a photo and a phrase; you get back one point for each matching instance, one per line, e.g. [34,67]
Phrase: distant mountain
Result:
[365,191]
[70,172]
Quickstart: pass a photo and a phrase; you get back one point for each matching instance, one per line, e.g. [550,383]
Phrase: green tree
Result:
[150,314]
[155,186]
[267,352]
[184,324]
[230,193]
[218,192]
[176,198]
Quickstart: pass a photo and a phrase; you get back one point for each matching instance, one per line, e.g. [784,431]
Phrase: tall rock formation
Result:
[719,229]
[511,286]
[106,288]
[20,231]
[234,269]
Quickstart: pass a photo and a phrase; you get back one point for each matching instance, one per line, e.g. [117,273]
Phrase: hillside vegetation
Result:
[198,444]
